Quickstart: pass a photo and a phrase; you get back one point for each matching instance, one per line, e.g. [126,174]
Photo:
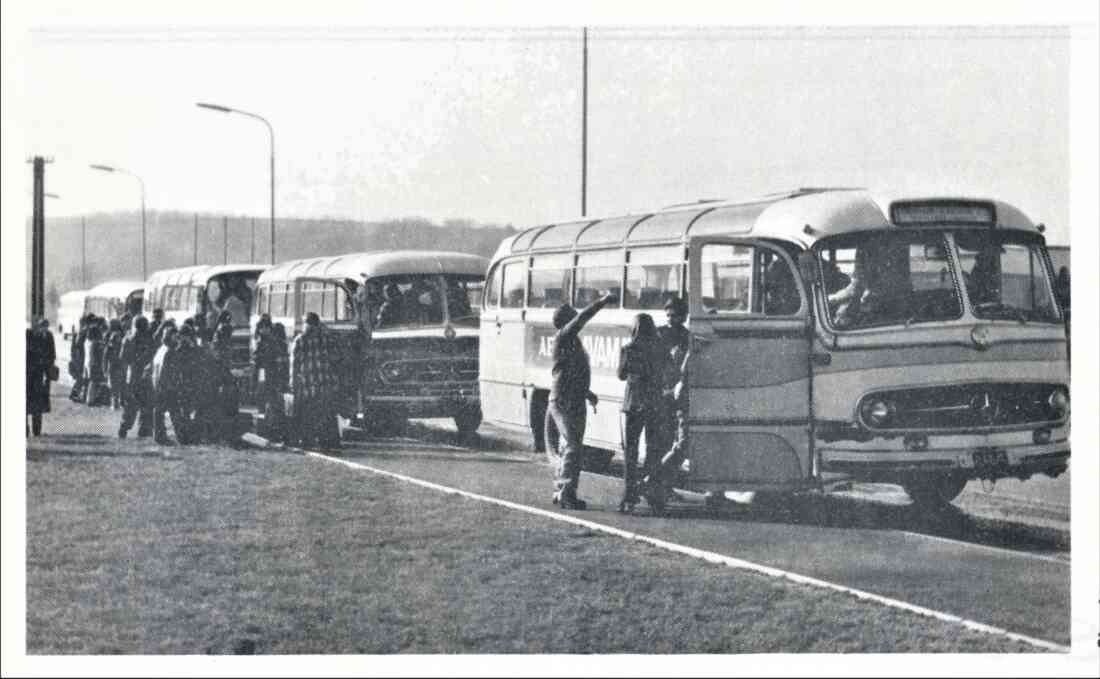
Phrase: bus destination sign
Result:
[940,212]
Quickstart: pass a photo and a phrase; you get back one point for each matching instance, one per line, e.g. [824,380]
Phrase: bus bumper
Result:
[1018,454]
[423,406]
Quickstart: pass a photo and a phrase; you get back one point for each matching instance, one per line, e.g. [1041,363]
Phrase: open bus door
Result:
[749,373]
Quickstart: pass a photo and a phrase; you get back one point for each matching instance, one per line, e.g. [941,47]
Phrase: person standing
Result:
[41,355]
[76,359]
[116,369]
[270,356]
[316,384]
[136,354]
[656,486]
[642,367]
[570,388]
[95,374]
[166,380]
[674,339]
[158,319]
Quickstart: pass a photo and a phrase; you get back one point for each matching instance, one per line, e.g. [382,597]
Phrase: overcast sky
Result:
[486,123]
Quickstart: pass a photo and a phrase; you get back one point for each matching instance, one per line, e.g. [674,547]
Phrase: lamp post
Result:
[271,134]
[108,168]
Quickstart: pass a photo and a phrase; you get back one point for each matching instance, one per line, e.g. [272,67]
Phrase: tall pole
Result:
[38,237]
[584,127]
[141,182]
[271,134]
[83,254]
[252,252]
[225,240]
[195,242]
[144,261]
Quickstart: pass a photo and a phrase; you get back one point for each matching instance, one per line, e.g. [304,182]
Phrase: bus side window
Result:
[550,276]
[597,272]
[726,278]
[513,278]
[653,277]
[492,288]
[778,289]
[260,300]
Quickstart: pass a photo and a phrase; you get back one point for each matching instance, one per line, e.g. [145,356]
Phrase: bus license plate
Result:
[990,458]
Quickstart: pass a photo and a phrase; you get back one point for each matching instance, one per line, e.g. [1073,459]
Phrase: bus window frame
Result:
[694,287]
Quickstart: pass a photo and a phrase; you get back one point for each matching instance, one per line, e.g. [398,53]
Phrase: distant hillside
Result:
[114,242]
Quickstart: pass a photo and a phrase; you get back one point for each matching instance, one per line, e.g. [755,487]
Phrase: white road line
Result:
[990,548]
[712,557]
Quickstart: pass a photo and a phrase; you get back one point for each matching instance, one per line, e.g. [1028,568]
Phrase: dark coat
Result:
[40,356]
[643,365]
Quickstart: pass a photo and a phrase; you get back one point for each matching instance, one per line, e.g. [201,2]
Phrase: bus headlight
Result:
[876,411]
[1059,402]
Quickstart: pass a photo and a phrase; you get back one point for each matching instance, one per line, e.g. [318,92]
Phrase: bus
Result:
[69,313]
[410,318]
[114,299]
[208,290]
[838,336]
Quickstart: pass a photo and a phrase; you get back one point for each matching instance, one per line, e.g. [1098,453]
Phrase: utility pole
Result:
[195,242]
[252,255]
[38,237]
[83,254]
[225,240]
[584,127]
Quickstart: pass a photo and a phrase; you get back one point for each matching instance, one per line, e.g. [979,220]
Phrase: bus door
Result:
[749,375]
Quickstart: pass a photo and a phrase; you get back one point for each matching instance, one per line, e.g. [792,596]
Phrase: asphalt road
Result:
[1005,573]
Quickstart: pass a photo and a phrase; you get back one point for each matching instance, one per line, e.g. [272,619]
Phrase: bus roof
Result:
[785,216]
[73,298]
[116,289]
[356,265]
[199,274]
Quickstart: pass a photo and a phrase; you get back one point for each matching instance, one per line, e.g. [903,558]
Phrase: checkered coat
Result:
[315,360]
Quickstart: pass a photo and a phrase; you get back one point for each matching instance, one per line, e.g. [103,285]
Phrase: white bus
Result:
[113,299]
[836,335]
[69,313]
[411,318]
[209,290]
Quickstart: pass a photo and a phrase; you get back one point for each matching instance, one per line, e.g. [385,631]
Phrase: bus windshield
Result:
[1006,277]
[901,277]
[906,277]
[231,292]
[417,300]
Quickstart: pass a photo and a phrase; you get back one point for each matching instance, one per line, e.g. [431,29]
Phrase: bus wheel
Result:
[468,420]
[934,490]
[383,423]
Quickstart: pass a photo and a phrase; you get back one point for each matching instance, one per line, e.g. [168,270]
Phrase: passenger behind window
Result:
[780,291]
[391,313]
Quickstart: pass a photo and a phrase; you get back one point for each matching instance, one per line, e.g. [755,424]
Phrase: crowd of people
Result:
[654,366]
[156,373]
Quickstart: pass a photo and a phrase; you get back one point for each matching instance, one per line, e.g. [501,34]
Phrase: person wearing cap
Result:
[570,388]
[315,382]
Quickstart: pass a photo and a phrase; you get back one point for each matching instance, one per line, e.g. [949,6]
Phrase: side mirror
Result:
[807,267]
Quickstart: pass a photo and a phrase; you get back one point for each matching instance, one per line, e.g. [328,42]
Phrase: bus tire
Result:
[536,419]
[383,423]
[468,420]
[934,490]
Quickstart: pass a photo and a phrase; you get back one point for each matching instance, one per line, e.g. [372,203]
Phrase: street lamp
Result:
[271,133]
[108,168]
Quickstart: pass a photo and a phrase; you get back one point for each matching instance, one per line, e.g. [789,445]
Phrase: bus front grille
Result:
[963,407]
